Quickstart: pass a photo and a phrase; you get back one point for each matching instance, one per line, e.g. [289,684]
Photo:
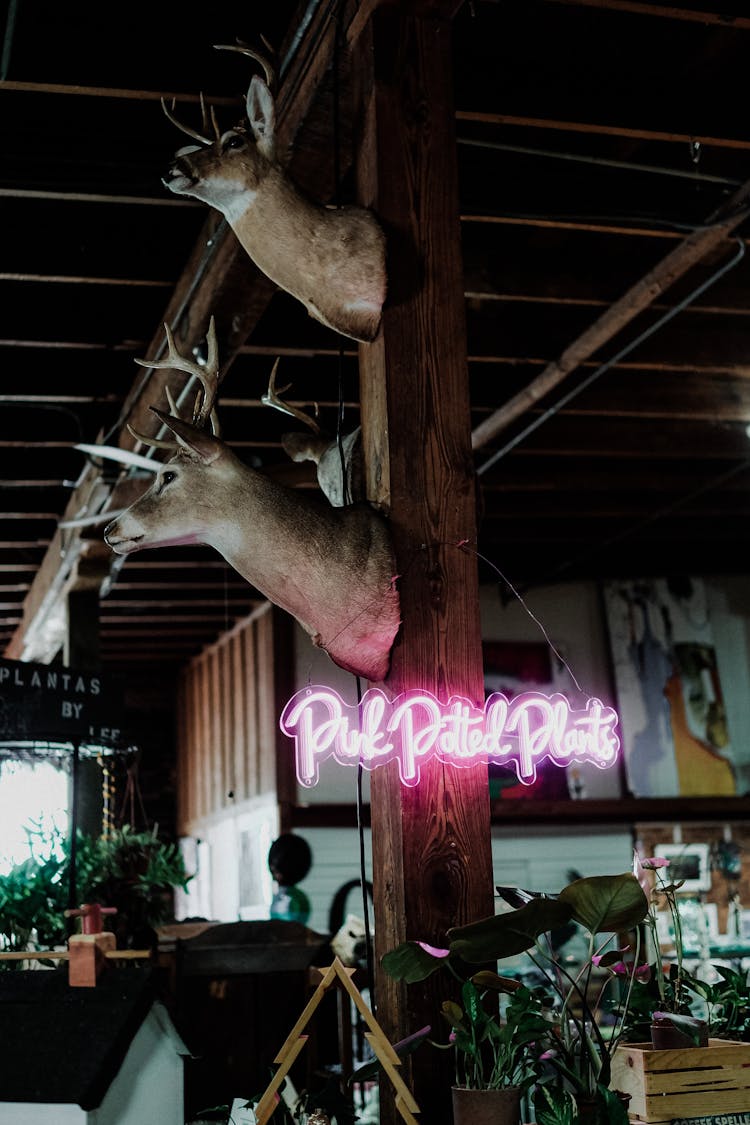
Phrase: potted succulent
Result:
[567,1037]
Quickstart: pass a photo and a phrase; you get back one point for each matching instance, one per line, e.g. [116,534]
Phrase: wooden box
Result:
[667,1086]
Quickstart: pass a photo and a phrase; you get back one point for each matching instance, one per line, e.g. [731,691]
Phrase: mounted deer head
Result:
[331,568]
[340,469]
[332,260]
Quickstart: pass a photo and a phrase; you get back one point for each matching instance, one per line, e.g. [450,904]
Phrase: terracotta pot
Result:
[666,1037]
[486,1107]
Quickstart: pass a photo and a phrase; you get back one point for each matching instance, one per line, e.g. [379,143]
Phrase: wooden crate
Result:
[669,1085]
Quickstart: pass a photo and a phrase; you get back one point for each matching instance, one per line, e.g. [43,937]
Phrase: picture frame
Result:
[689,864]
[745,925]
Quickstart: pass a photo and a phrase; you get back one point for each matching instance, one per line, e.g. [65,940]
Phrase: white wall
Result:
[545,859]
[230,862]
[338,783]
[31,1113]
[538,859]
[335,853]
[148,1088]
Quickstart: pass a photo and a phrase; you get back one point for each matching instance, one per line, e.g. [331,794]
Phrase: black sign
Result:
[49,702]
[740,1118]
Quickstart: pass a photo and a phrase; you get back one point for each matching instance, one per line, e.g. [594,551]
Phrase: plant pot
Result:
[665,1036]
[486,1107]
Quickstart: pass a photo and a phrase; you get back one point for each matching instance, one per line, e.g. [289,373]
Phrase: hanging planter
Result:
[486,1107]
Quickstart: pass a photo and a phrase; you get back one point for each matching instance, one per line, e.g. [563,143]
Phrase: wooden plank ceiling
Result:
[594,137]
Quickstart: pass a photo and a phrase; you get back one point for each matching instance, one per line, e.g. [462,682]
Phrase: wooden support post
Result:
[431,844]
[81,650]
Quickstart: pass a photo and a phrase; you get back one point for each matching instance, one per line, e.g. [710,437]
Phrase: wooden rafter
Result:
[691,251]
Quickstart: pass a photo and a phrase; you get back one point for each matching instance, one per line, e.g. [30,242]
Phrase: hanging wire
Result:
[624,351]
[345,490]
[464,546]
[130,796]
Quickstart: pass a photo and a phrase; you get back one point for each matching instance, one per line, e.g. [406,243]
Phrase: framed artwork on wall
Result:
[511,667]
[689,864]
[675,736]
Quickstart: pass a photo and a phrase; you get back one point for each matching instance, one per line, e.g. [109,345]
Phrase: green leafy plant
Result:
[133,871]
[726,1003]
[493,1053]
[568,1038]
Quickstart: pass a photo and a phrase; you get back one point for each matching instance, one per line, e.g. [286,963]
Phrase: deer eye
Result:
[232,140]
[166,478]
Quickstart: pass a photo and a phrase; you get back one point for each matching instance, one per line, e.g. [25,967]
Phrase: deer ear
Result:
[262,116]
[304,447]
[197,442]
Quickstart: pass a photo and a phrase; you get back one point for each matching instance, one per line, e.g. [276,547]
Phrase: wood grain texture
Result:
[228,702]
[431,844]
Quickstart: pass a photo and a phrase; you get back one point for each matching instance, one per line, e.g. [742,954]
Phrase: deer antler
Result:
[243,49]
[208,375]
[186,128]
[272,398]
[208,116]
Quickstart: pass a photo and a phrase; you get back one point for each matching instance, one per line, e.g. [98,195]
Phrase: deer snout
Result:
[181,174]
[119,543]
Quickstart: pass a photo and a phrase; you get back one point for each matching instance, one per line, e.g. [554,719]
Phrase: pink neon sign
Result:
[416,727]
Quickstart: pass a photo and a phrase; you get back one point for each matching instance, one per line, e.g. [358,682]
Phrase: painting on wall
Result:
[689,865]
[672,716]
[511,667]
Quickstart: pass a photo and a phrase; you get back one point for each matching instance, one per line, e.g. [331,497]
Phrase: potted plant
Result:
[494,1054]
[727,1003]
[568,1039]
[668,993]
[695,1076]
[133,871]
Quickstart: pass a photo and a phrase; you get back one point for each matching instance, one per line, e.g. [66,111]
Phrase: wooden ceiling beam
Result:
[73,279]
[590,128]
[96,197]
[217,618]
[60,89]
[724,20]
[688,253]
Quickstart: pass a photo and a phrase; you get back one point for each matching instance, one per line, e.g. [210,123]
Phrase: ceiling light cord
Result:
[551,411]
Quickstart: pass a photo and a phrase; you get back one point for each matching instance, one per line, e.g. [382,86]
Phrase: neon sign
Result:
[416,727]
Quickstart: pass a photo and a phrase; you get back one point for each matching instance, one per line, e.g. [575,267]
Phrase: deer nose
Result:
[181,166]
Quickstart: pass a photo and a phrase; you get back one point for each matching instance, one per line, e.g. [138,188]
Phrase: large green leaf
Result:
[554,1106]
[606,903]
[504,935]
[487,979]
[412,961]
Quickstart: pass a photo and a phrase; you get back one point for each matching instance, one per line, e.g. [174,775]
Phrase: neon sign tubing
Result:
[416,727]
